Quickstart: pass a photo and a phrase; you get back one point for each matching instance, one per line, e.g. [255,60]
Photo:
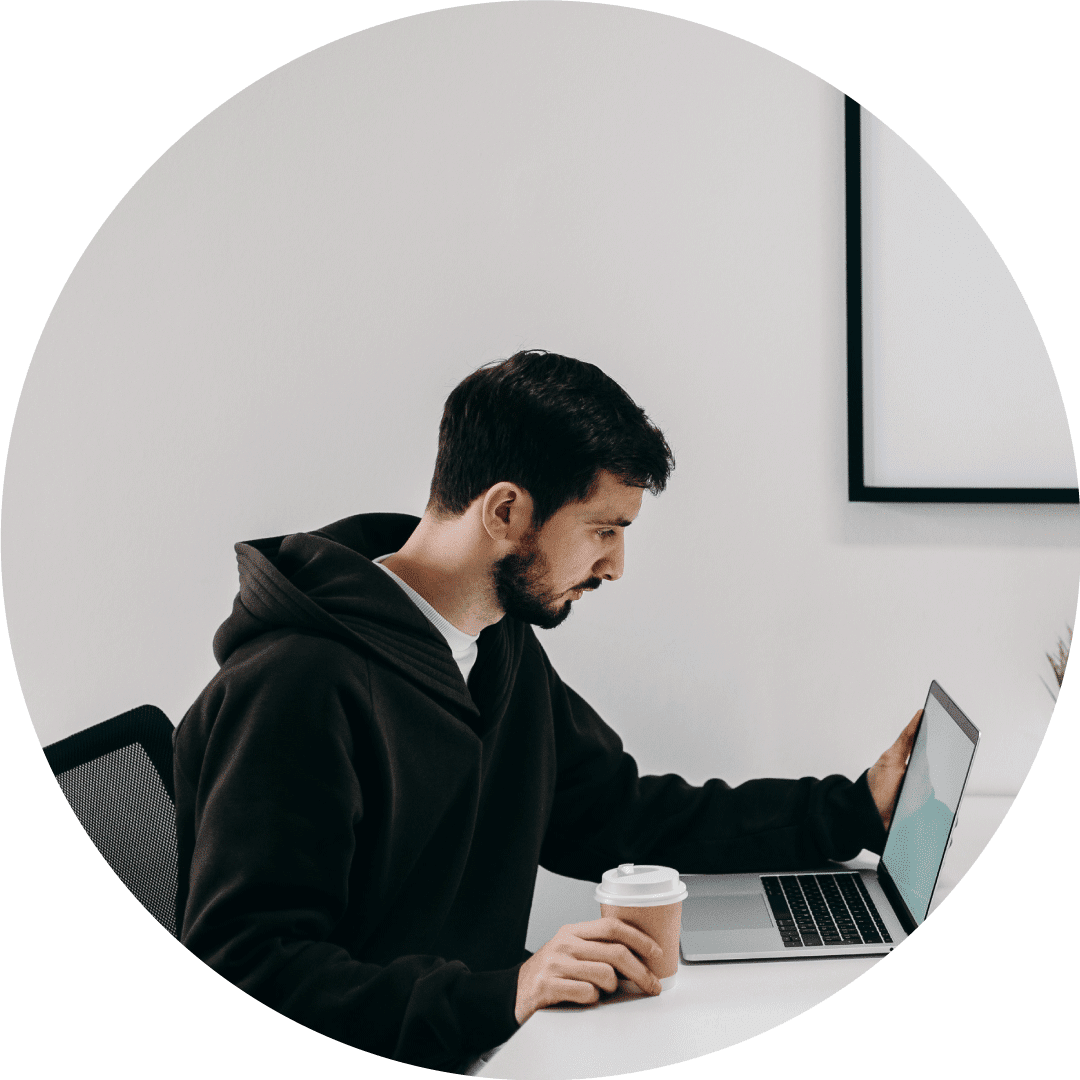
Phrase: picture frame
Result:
[858,489]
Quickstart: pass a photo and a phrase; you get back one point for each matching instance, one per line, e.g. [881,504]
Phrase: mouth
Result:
[577,592]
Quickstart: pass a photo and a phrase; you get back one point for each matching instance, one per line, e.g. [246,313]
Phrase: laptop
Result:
[838,912]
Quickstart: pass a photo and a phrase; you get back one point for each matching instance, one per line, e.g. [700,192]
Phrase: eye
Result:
[605,534]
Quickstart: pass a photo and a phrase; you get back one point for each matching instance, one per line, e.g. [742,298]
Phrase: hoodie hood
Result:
[325,583]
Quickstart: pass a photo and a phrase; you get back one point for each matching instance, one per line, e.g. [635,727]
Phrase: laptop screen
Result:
[929,797]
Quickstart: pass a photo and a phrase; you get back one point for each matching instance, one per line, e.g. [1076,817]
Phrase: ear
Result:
[506,512]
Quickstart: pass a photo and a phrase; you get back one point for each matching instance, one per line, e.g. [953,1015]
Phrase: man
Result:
[366,788]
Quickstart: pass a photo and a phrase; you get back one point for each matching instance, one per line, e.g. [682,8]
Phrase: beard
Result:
[520,586]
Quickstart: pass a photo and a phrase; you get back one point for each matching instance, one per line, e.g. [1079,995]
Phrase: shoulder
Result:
[301,687]
[286,671]
[289,653]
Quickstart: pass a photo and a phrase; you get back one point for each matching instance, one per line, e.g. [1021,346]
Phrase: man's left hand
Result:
[886,773]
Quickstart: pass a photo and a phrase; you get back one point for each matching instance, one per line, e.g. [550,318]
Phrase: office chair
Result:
[118,778]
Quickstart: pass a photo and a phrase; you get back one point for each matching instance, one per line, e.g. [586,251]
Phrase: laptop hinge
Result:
[892,893]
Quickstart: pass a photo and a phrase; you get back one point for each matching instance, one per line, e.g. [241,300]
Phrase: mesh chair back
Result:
[117,776]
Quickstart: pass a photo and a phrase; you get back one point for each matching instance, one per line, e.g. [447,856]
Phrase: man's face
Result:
[577,548]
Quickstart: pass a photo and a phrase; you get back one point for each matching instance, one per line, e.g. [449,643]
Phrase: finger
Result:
[613,929]
[622,960]
[598,973]
[581,993]
[906,740]
[900,751]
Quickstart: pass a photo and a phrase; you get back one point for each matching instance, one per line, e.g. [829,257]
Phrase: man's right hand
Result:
[583,959]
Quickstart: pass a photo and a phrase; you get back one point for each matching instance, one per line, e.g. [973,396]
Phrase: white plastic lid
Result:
[629,885]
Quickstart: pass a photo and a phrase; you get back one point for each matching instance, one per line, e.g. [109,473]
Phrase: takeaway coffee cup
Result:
[650,898]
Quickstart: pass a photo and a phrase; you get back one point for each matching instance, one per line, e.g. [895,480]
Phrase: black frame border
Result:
[858,490]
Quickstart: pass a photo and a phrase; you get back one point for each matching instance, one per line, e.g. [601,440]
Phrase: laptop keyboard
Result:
[824,909]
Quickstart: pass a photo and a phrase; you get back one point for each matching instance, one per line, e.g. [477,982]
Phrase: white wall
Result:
[261,336]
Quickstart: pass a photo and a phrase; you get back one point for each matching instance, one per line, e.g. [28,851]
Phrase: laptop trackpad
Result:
[715,926]
[741,911]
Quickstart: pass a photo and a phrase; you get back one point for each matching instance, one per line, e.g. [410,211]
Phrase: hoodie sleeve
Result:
[604,813]
[269,831]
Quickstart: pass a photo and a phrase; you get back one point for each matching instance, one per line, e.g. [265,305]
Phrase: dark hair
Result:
[549,424]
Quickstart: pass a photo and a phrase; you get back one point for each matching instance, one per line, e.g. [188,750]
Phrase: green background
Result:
[93,93]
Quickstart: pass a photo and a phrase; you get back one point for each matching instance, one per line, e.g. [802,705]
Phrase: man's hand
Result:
[583,959]
[886,773]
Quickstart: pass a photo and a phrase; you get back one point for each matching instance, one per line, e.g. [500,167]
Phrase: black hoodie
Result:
[359,831]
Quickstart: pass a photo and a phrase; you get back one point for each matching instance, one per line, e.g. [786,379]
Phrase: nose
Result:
[610,568]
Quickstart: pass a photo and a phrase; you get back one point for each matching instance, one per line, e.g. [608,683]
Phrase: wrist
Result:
[523,1006]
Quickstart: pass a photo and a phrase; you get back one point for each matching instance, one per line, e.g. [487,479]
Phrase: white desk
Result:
[712,1006]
